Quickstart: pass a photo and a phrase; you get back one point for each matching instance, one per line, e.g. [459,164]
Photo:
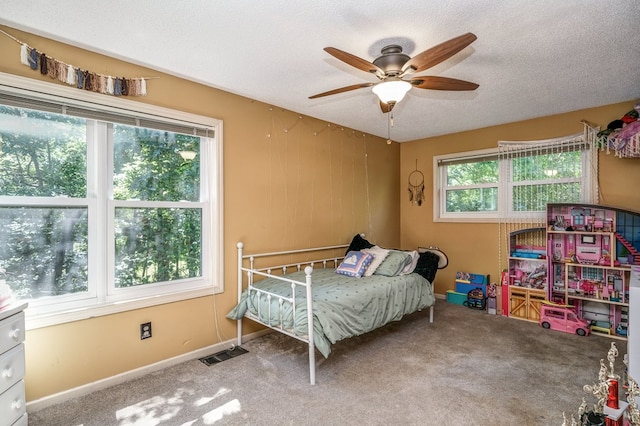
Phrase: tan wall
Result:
[473,247]
[290,181]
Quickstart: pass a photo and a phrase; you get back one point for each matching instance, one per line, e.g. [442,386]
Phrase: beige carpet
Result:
[467,368]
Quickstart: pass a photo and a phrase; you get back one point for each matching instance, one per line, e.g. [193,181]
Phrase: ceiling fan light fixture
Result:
[391,91]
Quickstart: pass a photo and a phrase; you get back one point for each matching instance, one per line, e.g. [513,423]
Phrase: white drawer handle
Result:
[15,333]
[17,404]
[7,373]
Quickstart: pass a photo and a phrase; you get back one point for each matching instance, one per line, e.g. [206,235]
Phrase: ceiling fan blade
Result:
[442,83]
[354,61]
[342,89]
[432,57]
[386,107]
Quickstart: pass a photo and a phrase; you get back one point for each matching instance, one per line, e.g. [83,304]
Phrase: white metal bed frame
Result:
[267,272]
[308,265]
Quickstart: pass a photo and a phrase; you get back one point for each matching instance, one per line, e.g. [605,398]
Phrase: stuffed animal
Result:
[620,134]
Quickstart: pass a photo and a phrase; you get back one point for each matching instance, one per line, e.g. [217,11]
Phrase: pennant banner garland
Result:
[80,78]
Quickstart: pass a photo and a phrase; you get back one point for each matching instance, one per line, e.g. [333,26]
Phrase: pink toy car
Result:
[563,318]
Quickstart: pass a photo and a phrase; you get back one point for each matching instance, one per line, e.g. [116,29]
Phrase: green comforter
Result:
[342,306]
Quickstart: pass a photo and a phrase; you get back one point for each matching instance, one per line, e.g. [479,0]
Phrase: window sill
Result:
[41,320]
[467,219]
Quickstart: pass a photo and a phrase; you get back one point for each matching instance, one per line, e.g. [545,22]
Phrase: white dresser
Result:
[12,396]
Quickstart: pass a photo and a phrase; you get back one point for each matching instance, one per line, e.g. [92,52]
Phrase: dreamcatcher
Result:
[416,186]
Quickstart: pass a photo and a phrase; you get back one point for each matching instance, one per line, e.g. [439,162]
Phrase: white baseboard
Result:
[440,296]
[57,398]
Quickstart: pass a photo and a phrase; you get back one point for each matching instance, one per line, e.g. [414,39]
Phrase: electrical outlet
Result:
[145,330]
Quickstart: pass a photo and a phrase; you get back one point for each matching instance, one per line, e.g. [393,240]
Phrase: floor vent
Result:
[223,355]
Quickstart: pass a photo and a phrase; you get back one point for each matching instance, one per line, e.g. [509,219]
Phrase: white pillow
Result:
[379,254]
[415,256]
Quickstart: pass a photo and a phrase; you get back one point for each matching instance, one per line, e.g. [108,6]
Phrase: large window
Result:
[516,180]
[105,206]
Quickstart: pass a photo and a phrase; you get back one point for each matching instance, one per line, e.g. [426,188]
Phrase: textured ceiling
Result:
[532,58]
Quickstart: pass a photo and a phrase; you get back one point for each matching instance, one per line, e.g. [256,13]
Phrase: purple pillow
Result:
[354,264]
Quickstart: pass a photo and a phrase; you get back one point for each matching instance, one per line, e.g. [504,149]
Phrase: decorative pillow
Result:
[358,243]
[379,254]
[354,264]
[427,265]
[393,263]
[410,266]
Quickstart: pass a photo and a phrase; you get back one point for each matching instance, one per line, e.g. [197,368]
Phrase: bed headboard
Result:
[294,259]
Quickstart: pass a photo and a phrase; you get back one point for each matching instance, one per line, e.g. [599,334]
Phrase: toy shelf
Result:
[589,251]
[572,297]
[527,273]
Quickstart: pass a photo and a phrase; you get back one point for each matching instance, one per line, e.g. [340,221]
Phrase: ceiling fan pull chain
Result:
[389,129]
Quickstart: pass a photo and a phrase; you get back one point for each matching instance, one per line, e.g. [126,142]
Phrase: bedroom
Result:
[321,170]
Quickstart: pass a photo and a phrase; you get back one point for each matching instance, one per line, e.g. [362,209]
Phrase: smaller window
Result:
[517,179]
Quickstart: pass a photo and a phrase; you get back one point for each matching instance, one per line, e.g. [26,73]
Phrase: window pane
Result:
[42,154]
[546,178]
[472,200]
[529,198]
[557,165]
[43,251]
[472,173]
[156,245]
[148,165]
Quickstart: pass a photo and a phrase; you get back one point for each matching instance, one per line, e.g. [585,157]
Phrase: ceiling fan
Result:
[392,66]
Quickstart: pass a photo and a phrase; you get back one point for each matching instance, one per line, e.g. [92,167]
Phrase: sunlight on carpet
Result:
[160,409]
[231,407]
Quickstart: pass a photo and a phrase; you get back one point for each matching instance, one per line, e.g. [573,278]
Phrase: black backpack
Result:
[475,299]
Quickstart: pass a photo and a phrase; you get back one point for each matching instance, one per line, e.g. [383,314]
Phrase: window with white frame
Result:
[517,179]
[105,204]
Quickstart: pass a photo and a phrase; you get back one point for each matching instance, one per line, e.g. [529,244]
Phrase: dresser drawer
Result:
[11,367]
[22,421]
[11,331]
[12,404]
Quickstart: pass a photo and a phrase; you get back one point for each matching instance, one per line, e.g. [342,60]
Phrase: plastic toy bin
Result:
[455,297]
[465,288]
